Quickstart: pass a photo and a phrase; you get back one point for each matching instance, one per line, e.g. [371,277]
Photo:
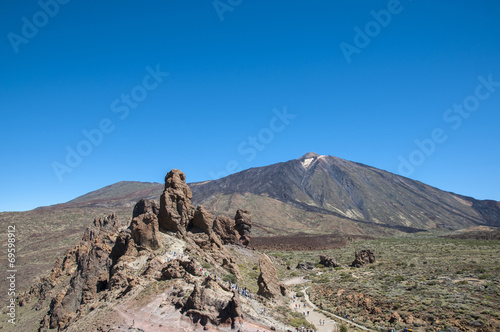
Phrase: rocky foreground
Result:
[151,274]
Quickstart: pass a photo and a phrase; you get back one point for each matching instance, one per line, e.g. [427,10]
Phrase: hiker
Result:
[308,313]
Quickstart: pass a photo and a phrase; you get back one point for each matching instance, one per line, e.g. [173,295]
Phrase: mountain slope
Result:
[353,191]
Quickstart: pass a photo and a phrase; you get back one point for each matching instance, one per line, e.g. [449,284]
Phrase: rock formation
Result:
[202,221]
[363,257]
[225,228]
[112,261]
[243,225]
[206,304]
[107,224]
[269,284]
[328,261]
[144,230]
[145,206]
[176,209]
[88,265]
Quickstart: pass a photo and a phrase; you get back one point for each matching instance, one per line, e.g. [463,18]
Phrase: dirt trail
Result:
[316,314]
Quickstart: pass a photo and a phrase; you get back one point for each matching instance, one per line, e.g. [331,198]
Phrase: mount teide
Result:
[333,193]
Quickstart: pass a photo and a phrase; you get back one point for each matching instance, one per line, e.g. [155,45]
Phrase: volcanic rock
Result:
[107,224]
[269,284]
[179,268]
[90,277]
[144,206]
[176,209]
[144,230]
[328,261]
[305,266]
[363,257]
[225,228]
[202,220]
[243,225]
[211,304]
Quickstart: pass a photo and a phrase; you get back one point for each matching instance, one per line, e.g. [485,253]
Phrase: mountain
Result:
[346,191]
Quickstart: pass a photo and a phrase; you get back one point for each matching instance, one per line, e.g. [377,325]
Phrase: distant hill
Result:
[120,194]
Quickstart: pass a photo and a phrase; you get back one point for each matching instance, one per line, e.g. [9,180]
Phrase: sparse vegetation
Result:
[230,277]
[429,281]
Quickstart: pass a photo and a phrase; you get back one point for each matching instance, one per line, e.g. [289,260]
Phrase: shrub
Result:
[343,328]
[398,278]
[230,277]
[300,294]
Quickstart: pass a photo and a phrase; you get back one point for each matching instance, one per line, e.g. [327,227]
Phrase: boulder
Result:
[363,257]
[328,261]
[176,210]
[269,284]
[305,266]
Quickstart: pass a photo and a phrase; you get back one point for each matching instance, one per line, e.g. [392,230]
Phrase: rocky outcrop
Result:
[269,285]
[363,257]
[176,210]
[224,227]
[202,221]
[243,225]
[209,303]
[112,261]
[144,230]
[145,206]
[328,261]
[109,224]
[89,265]
[179,268]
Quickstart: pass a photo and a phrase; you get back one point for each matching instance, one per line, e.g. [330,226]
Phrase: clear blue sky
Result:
[83,66]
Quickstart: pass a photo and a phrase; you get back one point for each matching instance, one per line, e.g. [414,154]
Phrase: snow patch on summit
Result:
[307,162]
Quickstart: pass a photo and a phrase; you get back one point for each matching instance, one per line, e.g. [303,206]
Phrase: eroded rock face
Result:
[145,206]
[107,224]
[328,261]
[269,284]
[176,210]
[88,264]
[144,230]
[208,303]
[363,257]
[202,220]
[225,228]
